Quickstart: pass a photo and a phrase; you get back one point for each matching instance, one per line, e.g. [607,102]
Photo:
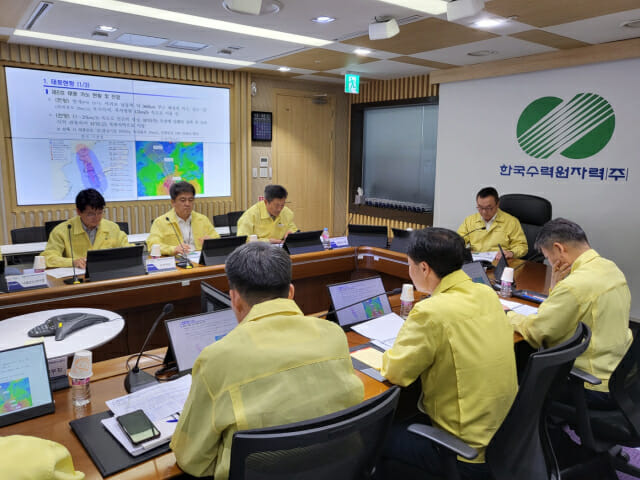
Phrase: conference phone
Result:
[65,324]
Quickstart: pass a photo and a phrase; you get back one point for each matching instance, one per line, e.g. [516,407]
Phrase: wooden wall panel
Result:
[139,214]
[359,219]
[395,89]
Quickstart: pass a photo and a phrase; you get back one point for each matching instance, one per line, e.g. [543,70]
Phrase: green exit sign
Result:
[352,83]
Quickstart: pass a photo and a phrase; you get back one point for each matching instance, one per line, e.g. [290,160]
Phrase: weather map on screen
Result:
[15,395]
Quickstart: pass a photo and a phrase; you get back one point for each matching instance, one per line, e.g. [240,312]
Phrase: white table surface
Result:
[13,331]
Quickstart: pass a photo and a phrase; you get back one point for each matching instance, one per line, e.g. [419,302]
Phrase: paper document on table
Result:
[382,328]
[370,356]
[194,256]
[158,402]
[166,427]
[488,256]
[384,344]
[63,272]
[520,308]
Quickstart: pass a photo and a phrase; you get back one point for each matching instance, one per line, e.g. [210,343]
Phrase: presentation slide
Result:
[128,139]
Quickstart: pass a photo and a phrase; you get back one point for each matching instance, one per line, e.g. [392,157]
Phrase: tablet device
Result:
[358,301]
[303,242]
[368,236]
[111,263]
[215,250]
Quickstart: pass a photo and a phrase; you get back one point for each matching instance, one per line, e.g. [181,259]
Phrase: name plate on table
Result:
[26,281]
[161,264]
[339,242]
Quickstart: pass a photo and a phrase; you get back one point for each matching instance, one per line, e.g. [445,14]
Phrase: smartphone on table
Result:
[138,427]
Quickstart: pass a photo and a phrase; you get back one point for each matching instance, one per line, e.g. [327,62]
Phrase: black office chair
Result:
[603,432]
[49,226]
[340,446]
[520,449]
[233,218]
[533,212]
[221,220]
[124,226]
[28,235]
[400,240]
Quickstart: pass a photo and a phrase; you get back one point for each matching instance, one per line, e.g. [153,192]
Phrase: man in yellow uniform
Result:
[88,231]
[270,220]
[185,230]
[276,367]
[460,344]
[484,230]
[584,288]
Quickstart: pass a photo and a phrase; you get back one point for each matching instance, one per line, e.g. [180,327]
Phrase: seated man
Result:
[88,231]
[270,220]
[185,230]
[584,288]
[460,344]
[484,230]
[276,367]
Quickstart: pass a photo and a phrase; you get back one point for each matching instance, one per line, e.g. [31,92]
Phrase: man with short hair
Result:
[584,288]
[270,220]
[185,230]
[460,344]
[276,367]
[491,227]
[88,231]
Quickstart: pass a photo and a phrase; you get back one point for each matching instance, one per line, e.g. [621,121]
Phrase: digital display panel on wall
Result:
[128,139]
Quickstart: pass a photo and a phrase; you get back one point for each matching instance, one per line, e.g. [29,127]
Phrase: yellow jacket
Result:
[162,234]
[596,293]
[257,221]
[58,252]
[460,344]
[505,230]
[276,367]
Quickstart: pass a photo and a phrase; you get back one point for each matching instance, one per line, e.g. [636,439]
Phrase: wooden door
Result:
[303,152]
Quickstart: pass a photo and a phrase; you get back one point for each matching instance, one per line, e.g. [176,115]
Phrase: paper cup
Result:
[81,366]
[407,293]
[507,275]
[155,250]
[253,238]
[39,263]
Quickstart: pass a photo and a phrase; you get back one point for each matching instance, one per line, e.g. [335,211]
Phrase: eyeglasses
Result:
[97,213]
[486,209]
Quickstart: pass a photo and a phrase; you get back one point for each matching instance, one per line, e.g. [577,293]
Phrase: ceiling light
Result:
[631,23]
[362,51]
[284,69]
[106,28]
[482,53]
[197,21]
[41,9]
[250,7]
[488,22]
[141,40]
[128,48]
[184,45]
[432,7]
[323,19]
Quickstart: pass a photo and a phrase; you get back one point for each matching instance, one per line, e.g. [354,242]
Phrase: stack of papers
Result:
[381,330]
[520,308]
[487,256]
[162,403]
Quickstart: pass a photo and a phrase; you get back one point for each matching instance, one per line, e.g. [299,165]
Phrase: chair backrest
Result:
[48,226]
[624,385]
[533,212]
[221,220]
[340,446]
[233,217]
[520,448]
[28,235]
[124,226]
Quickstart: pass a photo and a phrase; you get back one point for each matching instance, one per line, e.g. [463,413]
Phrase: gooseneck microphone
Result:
[469,233]
[180,255]
[137,379]
[395,291]
[74,280]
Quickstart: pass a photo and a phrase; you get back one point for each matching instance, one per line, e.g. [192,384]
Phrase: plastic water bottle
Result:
[406,300]
[80,374]
[506,282]
[80,392]
[326,242]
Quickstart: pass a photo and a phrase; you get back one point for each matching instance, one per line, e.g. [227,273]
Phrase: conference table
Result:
[311,273]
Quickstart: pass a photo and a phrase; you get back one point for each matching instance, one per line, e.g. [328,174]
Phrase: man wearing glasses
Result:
[88,231]
[270,220]
[484,230]
[185,230]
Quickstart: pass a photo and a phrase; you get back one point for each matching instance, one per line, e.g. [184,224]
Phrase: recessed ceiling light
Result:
[488,22]
[482,53]
[323,19]
[128,48]
[284,69]
[141,40]
[362,51]
[631,23]
[267,7]
[432,7]
[183,45]
[198,21]
[106,28]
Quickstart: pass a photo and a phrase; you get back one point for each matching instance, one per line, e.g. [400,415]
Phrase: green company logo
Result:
[577,129]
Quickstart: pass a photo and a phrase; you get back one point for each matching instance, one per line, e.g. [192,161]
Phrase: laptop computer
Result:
[188,336]
[368,236]
[111,263]
[358,301]
[25,391]
[303,242]
[215,250]
[400,241]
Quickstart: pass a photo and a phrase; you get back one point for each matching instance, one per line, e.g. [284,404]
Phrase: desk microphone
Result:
[395,291]
[75,280]
[469,233]
[137,379]
[181,255]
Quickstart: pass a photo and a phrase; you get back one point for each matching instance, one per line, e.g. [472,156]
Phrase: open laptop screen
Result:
[25,391]
[188,336]
[359,292]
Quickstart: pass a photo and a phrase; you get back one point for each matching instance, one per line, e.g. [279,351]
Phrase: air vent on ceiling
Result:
[38,13]
[140,40]
[184,45]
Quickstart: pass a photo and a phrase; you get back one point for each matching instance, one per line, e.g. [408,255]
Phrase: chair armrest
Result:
[583,376]
[444,439]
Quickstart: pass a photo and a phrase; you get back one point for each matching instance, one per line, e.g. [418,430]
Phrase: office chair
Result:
[520,448]
[124,226]
[400,240]
[28,235]
[603,432]
[221,220]
[340,446]
[48,226]
[233,218]
[533,212]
